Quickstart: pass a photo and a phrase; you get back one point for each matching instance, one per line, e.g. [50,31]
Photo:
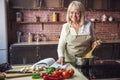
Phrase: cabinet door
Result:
[104,52]
[46,51]
[108,51]
[31,54]
[23,54]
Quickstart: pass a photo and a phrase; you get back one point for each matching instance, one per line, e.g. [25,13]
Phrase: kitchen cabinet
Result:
[108,51]
[109,5]
[28,54]
[114,5]
[39,4]
[29,4]
[96,4]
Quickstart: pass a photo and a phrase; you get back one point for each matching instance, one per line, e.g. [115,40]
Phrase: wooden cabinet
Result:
[29,54]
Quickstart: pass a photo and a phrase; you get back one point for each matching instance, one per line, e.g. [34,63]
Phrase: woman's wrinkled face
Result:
[74,15]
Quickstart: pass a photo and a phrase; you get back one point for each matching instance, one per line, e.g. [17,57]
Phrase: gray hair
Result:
[79,6]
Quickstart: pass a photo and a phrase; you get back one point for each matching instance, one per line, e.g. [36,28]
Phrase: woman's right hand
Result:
[60,60]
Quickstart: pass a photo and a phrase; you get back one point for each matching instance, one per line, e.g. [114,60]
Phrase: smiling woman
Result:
[77,35]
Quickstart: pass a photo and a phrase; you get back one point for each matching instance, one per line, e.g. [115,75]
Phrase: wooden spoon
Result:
[89,54]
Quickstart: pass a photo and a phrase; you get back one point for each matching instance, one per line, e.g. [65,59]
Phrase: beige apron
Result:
[76,46]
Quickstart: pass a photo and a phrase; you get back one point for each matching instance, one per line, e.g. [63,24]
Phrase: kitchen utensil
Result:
[89,54]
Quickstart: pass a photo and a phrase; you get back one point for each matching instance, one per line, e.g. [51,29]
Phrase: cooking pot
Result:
[84,61]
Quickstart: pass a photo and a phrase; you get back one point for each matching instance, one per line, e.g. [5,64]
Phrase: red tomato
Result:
[71,72]
[61,70]
[56,73]
[43,74]
[45,77]
[65,74]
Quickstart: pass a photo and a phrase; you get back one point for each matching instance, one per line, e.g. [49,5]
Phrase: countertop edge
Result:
[36,43]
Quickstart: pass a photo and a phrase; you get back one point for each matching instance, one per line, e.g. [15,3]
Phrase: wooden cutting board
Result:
[18,75]
[16,69]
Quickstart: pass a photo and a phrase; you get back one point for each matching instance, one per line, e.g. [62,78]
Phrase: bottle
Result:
[30,38]
[35,19]
[54,17]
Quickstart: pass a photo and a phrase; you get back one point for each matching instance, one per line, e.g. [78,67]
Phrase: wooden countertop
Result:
[77,75]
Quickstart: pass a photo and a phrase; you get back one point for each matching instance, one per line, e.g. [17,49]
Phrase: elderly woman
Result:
[77,36]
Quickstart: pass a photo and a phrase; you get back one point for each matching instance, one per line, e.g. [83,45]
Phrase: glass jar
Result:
[30,37]
[19,16]
[54,17]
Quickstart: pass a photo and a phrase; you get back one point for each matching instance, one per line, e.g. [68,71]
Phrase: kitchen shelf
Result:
[42,9]
[64,22]
[40,22]
[105,21]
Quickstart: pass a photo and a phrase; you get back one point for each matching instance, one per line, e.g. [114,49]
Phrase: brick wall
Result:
[103,30]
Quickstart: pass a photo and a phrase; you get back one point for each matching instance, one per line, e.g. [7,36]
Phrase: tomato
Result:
[43,74]
[45,77]
[71,72]
[61,70]
[56,73]
[65,74]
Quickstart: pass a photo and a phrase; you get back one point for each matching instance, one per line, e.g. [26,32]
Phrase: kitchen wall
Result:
[103,30]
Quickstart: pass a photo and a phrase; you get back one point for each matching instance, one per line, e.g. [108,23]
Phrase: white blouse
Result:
[84,30]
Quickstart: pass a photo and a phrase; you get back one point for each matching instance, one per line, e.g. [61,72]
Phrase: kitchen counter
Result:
[55,42]
[15,76]
[36,43]
[111,41]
